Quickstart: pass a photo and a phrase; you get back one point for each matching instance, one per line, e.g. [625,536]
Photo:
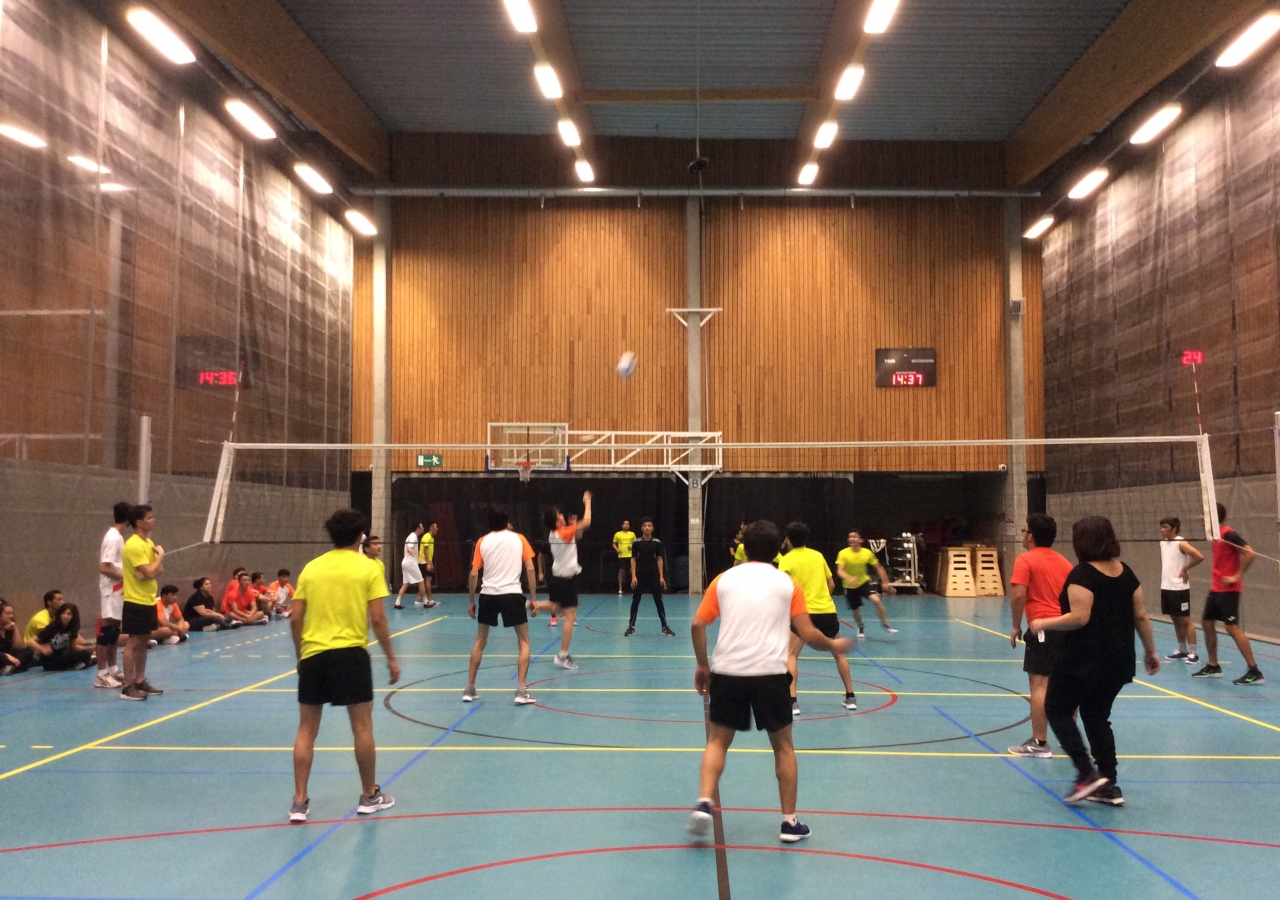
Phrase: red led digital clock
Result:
[219,377]
[907,379]
[906,367]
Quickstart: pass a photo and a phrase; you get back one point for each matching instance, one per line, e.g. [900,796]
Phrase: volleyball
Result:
[626,365]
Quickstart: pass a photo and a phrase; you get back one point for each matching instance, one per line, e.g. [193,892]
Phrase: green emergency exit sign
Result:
[430,460]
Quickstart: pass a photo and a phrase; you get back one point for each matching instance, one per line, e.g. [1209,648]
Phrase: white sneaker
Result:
[523,698]
[151,644]
[565,661]
[118,674]
[106,680]
[171,640]
[889,629]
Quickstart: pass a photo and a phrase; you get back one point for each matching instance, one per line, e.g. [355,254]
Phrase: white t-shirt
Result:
[1172,561]
[755,604]
[564,551]
[411,546]
[502,555]
[112,552]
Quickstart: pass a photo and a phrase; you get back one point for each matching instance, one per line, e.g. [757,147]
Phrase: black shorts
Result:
[827,623]
[1220,606]
[563,592]
[427,574]
[855,595]
[1040,656]
[624,564]
[138,618]
[735,697]
[341,677]
[108,635]
[512,607]
[1175,603]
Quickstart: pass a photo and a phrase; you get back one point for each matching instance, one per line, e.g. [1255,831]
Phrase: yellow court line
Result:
[688,690]
[1228,712]
[94,745]
[446,748]
[981,628]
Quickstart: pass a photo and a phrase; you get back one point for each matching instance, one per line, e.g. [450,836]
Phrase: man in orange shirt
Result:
[239,600]
[1038,577]
[172,627]
[280,592]
[501,555]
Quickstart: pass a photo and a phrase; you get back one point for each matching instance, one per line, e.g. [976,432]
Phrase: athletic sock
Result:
[790,820]
[1182,646]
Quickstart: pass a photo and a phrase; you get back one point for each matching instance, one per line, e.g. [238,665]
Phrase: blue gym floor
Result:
[586,795]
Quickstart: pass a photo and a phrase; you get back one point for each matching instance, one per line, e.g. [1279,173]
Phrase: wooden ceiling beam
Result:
[263,41]
[1147,42]
[845,44]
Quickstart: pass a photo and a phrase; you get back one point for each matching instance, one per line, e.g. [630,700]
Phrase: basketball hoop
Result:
[524,468]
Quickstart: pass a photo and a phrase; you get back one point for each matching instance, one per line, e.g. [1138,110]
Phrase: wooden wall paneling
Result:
[362,354]
[811,290]
[1033,348]
[503,311]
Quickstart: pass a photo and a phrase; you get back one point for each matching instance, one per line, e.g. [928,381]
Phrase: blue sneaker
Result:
[700,821]
[792,833]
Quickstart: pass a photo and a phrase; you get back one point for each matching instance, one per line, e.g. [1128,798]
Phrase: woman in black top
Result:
[1103,606]
[60,643]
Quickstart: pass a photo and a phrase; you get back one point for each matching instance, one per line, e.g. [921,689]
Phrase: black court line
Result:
[717,819]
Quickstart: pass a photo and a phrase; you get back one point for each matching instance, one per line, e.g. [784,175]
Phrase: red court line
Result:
[686,847]
[955,820]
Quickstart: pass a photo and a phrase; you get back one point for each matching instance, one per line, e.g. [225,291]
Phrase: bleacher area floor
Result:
[586,794]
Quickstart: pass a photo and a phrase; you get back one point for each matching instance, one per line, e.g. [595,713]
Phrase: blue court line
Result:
[305,851]
[858,650]
[1174,883]
[555,640]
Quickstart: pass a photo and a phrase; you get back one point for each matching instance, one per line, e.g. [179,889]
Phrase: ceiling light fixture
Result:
[880,16]
[160,35]
[252,122]
[1155,126]
[584,170]
[850,81]
[569,133]
[521,15]
[1088,184]
[808,173]
[88,165]
[313,179]
[1042,225]
[25,138]
[826,135]
[548,81]
[112,187]
[1261,31]
[360,222]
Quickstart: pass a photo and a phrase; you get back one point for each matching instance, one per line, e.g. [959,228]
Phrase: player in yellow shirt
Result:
[338,597]
[623,538]
[740,555]
[141,561]
[851,564]
[427,564]
[810,571]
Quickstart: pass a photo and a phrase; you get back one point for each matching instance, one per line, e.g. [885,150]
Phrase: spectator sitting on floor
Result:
[281,593]
[52,600]
[15,656]
[201,612]
[239,601]
[169,615]
[59,643]
[262,598]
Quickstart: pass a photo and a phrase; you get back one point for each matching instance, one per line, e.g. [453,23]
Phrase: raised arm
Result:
[585,522]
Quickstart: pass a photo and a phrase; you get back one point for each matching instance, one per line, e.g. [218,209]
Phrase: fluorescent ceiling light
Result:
[360,222]
[880,16]
[112,187]
[808,173]
[548,81]
[521,16]
[1248,43]
[1154,126]
[161,36]
[88,165]
[1042,225]
[1088,184]
[569,133]
[584,170]
[826,134]
[312,178]
[849,82]
[25,138]
[252,122]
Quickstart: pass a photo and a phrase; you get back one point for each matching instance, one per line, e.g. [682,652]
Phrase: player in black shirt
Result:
[647,576]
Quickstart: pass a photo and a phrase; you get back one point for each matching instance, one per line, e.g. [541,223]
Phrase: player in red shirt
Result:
[1038,577]
[1232,557]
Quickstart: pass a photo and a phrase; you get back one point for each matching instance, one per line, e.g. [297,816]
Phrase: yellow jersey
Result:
[741,555]
[337,588]
[855,563]
[138,552]
[810,570]
[624,540]
[427,548]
